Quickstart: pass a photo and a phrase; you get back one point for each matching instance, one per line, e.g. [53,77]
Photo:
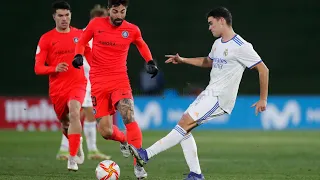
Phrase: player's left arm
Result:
[145,52]
[142,46]
[250,58]
[263,78]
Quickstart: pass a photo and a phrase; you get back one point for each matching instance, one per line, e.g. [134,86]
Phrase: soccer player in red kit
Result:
[111,89]
[67,85]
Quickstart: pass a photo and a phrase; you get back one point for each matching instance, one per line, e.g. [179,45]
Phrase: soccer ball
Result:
[108,170]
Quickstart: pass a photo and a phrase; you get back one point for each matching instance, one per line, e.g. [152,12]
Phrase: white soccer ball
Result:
[108,170]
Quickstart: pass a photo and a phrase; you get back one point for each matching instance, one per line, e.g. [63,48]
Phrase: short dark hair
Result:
[117,3]
[221,12]
[97,11]
[60,5]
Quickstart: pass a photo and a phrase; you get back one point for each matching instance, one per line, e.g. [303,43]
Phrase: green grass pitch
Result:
[224,155]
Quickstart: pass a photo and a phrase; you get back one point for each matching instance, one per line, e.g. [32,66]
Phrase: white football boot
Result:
[72,163]
[124,148]
[140,172]
[80,155]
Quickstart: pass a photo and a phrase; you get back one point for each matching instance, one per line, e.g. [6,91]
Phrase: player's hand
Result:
[77,61]
[174,59]
[152,68]
[261,105]
[62,67]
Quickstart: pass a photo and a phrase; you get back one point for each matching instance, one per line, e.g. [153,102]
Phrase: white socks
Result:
[188,144]
[64,143]
[90,131]
[189,148]
[172,139]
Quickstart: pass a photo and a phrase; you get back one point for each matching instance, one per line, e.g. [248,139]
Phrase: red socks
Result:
[74,143]
[134,136]
[117,135]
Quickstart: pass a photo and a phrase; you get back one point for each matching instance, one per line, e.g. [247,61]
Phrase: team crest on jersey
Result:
[75,40]
[125,34]
[225,53]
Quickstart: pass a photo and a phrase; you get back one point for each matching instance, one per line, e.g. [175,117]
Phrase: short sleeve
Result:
[248,56]
[211,54]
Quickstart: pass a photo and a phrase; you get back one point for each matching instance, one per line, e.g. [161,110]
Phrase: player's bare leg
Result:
[111,132]
[74,133]
[134,134]
[90,131]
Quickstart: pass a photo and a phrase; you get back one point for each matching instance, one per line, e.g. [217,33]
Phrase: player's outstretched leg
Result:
[134,135]
[177,135]
[172,139]
[90,131]
[74,134]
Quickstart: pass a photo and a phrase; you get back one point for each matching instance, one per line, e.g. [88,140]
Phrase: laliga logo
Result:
[151,112]
[276,119]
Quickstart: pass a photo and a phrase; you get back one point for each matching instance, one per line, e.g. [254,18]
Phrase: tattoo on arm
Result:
[125,107]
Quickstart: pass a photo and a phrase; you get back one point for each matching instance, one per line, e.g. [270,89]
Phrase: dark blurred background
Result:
[284,33]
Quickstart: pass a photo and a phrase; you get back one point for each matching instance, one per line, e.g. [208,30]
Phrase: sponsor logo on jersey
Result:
[106,43]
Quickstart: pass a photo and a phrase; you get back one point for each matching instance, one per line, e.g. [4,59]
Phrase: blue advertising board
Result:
[283,112]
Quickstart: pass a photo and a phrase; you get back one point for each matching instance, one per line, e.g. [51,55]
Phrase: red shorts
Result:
[104,101]
[60,102]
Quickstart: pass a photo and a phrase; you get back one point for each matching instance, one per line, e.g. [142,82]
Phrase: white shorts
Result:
[87,102]
[205,108]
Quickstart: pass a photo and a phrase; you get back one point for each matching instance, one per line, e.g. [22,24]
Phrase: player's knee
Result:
[126,110]
[89,115]
[106,132]
[187,123]
[74,115]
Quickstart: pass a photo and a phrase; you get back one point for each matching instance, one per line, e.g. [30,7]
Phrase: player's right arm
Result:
[41,56]
[85,38]
[198,61]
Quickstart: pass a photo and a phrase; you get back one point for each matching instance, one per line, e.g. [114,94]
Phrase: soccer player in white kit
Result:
[89,125]
[229,56]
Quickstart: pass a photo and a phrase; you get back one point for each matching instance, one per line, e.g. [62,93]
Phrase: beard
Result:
[117,22]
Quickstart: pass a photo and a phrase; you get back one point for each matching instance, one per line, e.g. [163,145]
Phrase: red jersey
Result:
[110,49]
[54,48]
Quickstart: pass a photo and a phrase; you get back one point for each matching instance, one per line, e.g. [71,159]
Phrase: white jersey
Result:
[229,62]
[86,67]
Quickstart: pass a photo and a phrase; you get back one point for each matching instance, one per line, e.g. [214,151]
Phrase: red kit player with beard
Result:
[111,89]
